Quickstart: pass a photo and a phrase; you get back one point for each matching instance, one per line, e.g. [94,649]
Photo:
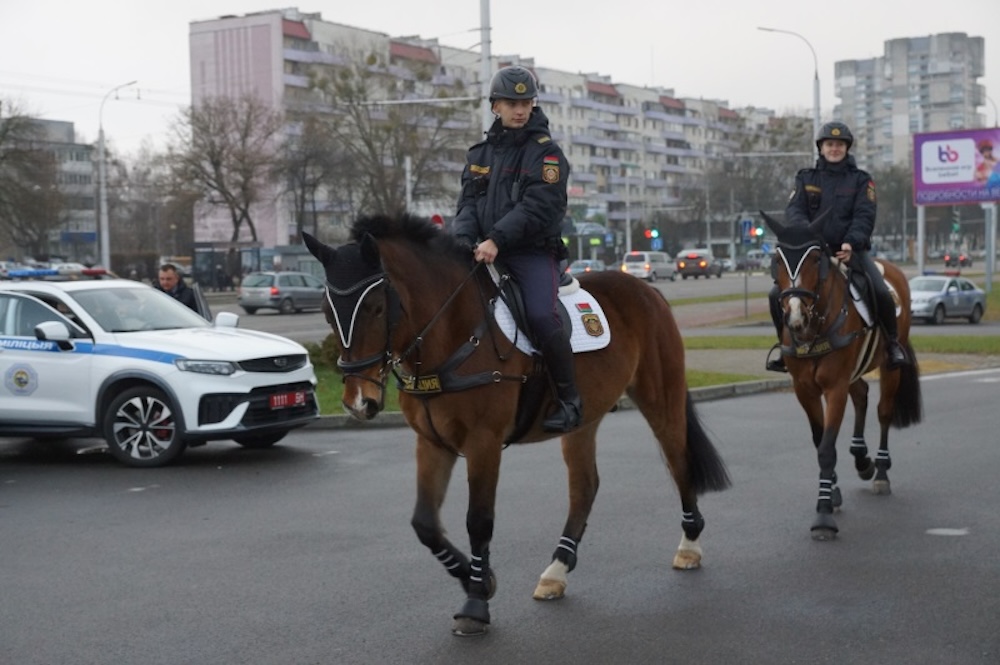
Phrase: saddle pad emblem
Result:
[590,331]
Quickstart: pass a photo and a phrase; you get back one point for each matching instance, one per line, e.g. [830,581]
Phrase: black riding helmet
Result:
[835,130]
[514,82]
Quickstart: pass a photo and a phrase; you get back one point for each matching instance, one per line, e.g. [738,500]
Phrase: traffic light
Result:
[956,220]
[651,233]
[758,233]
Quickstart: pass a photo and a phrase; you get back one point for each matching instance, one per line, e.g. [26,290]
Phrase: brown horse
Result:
[407,299]
[828,347]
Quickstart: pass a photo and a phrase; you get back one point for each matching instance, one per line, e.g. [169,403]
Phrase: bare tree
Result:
[380,121]
[227,149]
[31,206]
[312,161]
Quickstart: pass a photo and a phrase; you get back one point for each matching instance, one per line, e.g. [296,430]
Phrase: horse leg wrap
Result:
[882,461]
[455,563]
[692,523]
[862,463]
[824,503]
[566,552]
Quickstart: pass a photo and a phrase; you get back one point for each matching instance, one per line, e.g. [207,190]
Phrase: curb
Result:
[709,393]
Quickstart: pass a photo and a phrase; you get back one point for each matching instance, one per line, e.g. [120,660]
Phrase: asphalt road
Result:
[304,553]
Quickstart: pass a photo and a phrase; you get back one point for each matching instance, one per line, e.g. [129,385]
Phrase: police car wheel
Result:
[141,428]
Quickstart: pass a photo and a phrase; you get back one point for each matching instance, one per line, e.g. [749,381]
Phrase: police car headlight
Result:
[218,367]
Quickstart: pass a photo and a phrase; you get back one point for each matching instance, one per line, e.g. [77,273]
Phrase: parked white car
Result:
[121,360]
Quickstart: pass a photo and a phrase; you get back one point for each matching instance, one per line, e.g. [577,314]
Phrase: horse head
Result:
[800,268]
[362,309]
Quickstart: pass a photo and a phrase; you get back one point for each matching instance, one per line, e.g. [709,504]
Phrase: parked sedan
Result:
[286,292]
[934,298]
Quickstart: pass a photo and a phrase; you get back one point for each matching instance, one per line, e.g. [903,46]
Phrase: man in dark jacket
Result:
[512,204]
[844,196]
[171,283]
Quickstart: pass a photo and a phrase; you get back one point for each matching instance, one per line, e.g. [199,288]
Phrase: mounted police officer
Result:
[512,203]
[844,196]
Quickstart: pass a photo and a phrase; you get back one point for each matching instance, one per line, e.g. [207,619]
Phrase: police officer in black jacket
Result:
[845,196]
[512,204]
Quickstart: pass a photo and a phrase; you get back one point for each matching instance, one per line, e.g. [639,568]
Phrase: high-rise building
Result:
[920,84]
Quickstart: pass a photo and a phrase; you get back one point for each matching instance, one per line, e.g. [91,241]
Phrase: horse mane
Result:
[431,239]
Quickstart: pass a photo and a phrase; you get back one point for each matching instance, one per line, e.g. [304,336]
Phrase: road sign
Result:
[746,230]
[656,244]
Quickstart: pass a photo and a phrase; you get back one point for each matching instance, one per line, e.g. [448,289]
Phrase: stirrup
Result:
[897,355]
[565,418]
[775,364]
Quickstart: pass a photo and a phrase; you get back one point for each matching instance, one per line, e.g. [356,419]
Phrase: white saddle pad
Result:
[590,326]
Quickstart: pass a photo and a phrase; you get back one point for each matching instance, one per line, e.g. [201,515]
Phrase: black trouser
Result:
[886,306]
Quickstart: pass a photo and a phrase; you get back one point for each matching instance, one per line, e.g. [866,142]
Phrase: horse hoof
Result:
[549,590]
[881,487]
[824,528]
[868,471]
[687,560]
[467,627]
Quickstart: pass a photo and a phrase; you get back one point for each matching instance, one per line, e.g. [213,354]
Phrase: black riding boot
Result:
[776,364]
[559,360]
[887,317]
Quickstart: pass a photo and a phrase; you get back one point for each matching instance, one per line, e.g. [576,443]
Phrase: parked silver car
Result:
[936,297]
[286,292]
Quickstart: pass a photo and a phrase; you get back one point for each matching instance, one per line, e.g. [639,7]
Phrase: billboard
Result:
[956,168]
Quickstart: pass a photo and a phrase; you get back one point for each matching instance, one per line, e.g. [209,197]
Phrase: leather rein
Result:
[424,384]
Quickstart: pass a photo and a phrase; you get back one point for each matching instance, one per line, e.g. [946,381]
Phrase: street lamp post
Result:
[102,175]
[996,118]
[815,77]
[628,205]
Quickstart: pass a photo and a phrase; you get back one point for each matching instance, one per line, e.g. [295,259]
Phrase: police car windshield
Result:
[131,309]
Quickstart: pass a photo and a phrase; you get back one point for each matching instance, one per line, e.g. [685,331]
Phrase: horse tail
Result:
[908,406]
[706,470]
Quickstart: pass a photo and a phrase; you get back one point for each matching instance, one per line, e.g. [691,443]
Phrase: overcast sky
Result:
[58,58]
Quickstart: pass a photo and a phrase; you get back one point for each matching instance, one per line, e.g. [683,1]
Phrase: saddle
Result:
[588,331]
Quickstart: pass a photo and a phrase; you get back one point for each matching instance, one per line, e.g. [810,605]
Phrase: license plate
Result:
[286,400]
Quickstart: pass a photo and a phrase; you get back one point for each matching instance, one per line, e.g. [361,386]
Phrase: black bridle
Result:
[826,337]
[346,321]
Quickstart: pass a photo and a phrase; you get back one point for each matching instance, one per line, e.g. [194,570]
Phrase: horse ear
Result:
[772,223]
[322,252]
[369,249]
[816,226]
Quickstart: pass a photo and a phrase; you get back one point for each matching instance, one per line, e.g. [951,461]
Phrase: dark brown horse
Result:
[828,348]
[406,299]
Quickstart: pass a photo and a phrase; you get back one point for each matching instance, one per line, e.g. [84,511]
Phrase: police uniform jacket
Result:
[514,189]
[843,194]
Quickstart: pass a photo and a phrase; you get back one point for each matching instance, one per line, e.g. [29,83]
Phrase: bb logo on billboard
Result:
[947,154]
[951,161]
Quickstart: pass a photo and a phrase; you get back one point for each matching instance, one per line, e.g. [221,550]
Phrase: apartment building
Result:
[919,84]
[639,154]
[634,150]
[75,238]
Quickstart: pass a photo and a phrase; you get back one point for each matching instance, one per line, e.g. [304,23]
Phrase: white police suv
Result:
[119,359]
